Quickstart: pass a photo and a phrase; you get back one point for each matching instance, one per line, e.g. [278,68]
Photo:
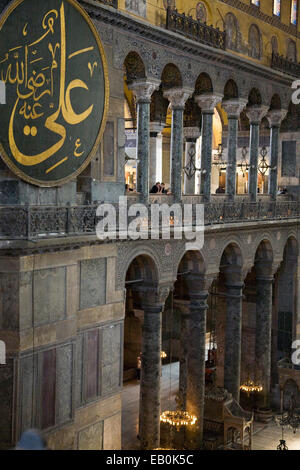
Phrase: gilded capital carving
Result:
[208,101]
[255,113]
[178,96]
[143,88]
[276,116]
[234,107]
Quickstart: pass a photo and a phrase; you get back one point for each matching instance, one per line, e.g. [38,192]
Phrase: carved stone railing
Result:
[193,29]
[283,64]
[38,222]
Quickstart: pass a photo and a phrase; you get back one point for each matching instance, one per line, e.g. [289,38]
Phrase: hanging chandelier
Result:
[219,162]
[263,164]
[288,420]
[250,387]
[282,445]
[163,355]
[178,418]
[244,164]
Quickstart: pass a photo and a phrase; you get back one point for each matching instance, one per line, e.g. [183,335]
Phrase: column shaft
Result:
[176,153]
[232,148]
[196,360]
[206,153]
[143,148]
[183,364]
[150,380]
[274,147]
[264,289]
[232,363]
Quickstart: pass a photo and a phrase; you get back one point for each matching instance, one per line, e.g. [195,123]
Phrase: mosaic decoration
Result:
[137,7]
[201,13]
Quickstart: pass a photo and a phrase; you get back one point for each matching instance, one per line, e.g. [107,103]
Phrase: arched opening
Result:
[254,42]
[134,69]
[141,277]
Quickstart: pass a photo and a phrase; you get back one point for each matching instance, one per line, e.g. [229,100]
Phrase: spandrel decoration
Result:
[54,69]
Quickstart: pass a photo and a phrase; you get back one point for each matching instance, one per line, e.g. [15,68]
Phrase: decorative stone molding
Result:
[234,107]
[208,101]
[276,116]
[256,113]
[144,88]
[178,96]
[191,133]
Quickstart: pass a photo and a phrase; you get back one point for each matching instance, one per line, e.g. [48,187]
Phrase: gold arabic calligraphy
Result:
[33,86]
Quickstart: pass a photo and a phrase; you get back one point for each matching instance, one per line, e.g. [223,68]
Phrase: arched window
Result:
[201,13]
[294,12]
[254,42]
[292,51]
[276,7]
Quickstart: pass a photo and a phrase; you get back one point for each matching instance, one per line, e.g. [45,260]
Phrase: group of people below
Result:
[159,188]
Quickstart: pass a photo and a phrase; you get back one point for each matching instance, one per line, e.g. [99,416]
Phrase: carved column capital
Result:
[255,113]
[234,107]
[143,88]
[191,133]
[156,127]
[208,101]
[178,96]
[276,116]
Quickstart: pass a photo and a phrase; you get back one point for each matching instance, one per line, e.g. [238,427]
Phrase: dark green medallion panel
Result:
[55,74]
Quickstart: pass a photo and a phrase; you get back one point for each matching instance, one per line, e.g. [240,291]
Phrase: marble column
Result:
[198,293]
[233,337]
[177,97]
[275,118]
[207,103]
[263,344]
[191,134]
[143,89]
[155,164]
[152,302]
[184,307]
[233,109]
[255,115]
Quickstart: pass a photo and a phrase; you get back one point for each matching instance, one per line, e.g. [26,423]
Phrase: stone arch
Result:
[231,90]
[232,31]
[171,77]
[291,51]
[254,98]
[192,261]
[142,267]
[255,46]
[231,256]
[203,84]
[264,251]
[134,67]
[275,102]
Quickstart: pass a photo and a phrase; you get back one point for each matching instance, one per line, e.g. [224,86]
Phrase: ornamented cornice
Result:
[178,96]
[165,38]
[257,13]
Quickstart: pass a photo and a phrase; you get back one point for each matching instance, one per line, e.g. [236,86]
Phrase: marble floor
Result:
[266,437]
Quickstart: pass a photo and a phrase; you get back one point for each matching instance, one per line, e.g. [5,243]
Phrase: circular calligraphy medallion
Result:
[55,75]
